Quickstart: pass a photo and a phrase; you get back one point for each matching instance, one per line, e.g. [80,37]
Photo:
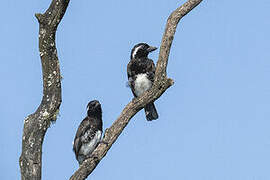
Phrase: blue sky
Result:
[213,123]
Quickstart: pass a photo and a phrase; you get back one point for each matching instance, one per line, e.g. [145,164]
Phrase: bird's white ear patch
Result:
[135,51]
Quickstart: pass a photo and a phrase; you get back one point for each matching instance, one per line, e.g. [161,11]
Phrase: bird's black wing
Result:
[150,69]
[131,75]
[84,127]
[133,68]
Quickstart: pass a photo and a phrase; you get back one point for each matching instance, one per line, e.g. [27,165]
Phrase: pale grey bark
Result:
[36,124]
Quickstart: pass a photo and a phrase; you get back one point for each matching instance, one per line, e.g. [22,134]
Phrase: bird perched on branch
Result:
[141,73]
[89,132]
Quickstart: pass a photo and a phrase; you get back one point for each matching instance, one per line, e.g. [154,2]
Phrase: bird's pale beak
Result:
[151,48]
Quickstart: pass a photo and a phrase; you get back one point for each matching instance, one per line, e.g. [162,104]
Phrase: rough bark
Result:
[36,124]
[161,84]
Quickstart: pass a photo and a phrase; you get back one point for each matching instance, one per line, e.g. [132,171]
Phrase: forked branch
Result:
[161,84]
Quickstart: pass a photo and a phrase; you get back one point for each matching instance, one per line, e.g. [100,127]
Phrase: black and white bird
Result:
[141,73]
[89,132]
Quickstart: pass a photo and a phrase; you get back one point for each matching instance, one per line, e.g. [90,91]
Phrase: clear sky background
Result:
[213,123]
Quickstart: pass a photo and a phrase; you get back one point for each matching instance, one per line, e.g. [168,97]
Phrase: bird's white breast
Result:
[141,84]
[87,148]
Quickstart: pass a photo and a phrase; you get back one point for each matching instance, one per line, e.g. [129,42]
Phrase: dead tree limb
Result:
[161,84]
[36,124]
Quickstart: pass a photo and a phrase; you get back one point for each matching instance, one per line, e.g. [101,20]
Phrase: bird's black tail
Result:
[150,112]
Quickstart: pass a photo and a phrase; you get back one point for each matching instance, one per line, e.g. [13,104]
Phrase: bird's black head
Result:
[94,109]
[141,50]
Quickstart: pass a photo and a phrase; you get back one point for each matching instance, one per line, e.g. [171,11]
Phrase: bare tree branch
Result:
[161,84]
[36,124]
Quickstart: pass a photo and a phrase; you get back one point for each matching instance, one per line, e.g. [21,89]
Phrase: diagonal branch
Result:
[161,84]
[36,124]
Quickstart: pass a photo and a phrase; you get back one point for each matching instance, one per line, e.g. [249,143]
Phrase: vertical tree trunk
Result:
[36,124]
